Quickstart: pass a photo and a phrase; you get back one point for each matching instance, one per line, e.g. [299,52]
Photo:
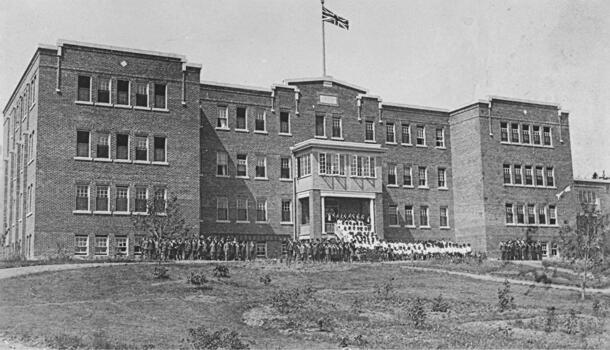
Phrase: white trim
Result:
[235,86]
[490,98]
[408,106]
[342,194]
[62,42]
[326,78]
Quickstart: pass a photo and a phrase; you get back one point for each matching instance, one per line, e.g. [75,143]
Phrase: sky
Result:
[438,53]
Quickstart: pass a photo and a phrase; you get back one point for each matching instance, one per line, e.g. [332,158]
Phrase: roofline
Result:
[469,105]
[309,143]
[593,181]
[325,78]
[62,42]
[423,108]
[521,100]
[236,86]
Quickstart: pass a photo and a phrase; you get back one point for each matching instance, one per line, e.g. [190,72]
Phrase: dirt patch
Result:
[257,316]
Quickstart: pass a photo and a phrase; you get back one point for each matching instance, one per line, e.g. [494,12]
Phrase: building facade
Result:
[119,126]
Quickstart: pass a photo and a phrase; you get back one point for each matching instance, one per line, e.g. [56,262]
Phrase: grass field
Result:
[313,306]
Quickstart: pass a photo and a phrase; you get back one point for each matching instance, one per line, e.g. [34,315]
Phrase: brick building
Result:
[118,126]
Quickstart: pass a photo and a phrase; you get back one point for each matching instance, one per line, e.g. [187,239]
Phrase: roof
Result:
[333,144]
[62,42]
[422,108]
[325,78]
[520,100]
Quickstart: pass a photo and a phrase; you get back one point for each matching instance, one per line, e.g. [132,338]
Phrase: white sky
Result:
[438,53]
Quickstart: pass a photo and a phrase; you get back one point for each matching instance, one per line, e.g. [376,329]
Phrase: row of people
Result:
[520,250]
[202,248]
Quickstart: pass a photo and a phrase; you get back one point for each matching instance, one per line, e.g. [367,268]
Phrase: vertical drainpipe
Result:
[273,99]
[359,107]
[58,78]
[294,194]
[380,111]
[296,100]
[184,83]
[560,126]
[489,118]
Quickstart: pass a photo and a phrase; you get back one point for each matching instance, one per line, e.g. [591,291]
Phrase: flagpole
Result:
[323,45]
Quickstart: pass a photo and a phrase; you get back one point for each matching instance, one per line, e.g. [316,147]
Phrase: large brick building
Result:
[92,131]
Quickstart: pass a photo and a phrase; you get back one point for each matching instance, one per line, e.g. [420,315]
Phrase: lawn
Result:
[371,305]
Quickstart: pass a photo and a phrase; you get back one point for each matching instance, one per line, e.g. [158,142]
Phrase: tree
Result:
[163,220]
[584,245]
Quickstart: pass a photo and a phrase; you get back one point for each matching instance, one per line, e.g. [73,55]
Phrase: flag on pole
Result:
[567,189]
[330,17]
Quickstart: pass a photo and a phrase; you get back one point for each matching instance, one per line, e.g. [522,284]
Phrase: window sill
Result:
[320,137]
[423,187]
[394,226]
[103,104]
[223,221]
[337,138]
[86,103]
[121,160]
[261,178]
[407,186]
[407,144]
[223,176]
[392,186]
[262,222]
[164,110]
[242,177]
[369,141]
[241,222]
[443,188]
[525,144]
[286,223]
[81,211]
[438,147]
[141,162]
[121,213]
[102,213]
[86,159]
[142,108]
[139,213]
[422,146]
[105,160]
[262,132]
[333,175]
[286,180]
[222,129]
[390,143]
[242,130]
[122,106]
[160,163]
[285,134]
[410,226]
[531,186]
[445,228]
[425,227]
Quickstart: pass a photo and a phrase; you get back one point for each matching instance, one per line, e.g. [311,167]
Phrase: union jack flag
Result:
[330,17]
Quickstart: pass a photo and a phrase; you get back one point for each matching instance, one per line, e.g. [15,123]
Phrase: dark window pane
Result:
[160,96]
[160,149]
[122,92]
[122,150]
[82,140]
[84,88]
[241,118]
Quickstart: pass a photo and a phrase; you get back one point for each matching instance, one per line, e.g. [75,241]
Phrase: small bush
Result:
[200,338]
[221,271]
[64,341]
[439,304]
[571,322]
[160,272]
[550,319]
[326,324]
[505,300]
[506,331]
[266,280]
[417,314]
[286,301]
[384,291]
[598,309]
[196,279]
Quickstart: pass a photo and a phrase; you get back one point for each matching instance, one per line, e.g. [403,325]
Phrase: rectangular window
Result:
[304,165]
[103,90]
[554,249]
[222,164]
[122,199]
[101,245]
[536,133]
[137,247]
[421,135]
[320,126]
[547,135]
[160,199]
[242,165]
[285,168]
[409,219]
[82,144]
[444,216]
[284,123]
[222,209]
[531,214]
[122,146]
[286,211]
[407,176]
[542,215]
[82,197]
[261,249]
[550,177]
[304,210]
[84,88]
[102,200]
[261,210]
[261,167]
[222,122]
[507,175]
[545,249]
[159,144]
[442,178]
[390,135]
[240,119]
[160,96]
[369,130]
[440,138]
[260,120]
[423,176]
[141,94]
[518,175]
[509,214]
[504,132]
[337,133]
[423,216]
[142,148]
[103,146]
[242,209]
[525,132]
[539,176]
[393,215]
[141,200]
[122,92]
[520,214]
[392,175]
[514,132]
[552,215]
[406,134]
[121,246]
[81,245]
[528,175]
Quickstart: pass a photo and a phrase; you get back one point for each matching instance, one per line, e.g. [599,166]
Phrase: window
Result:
[554,249]
[142,148]
[539,176]
[423,216]
[409,220]
[103,90]
[390,135]
[509,214]
[304,210]
[369,130]
[507,175]
[514,132]
[520,214]
[261,249]
[547,135]
[242,209]
[393,215]
[222,122]
[160,96]
[536,132]
[222,209]
[363,166]
[552,215]
[406,134]
[122,199]
[407,179]
[442,178]
[337,128]
[421,135]
[518,176]
[159,143]
[141,199]
[545,249]
[332,164]
[261,167]
[528,175]
[320,126]
[423,176]
[82,197]
[286,211]
[242,165]
[82,144]
[102,199]
[541,215]
[241,121]
[81,245]
[103,148]
[304,165]
[122,146]
[222,164]
[284,123]
[531,214]
[141,95]
[392,175]
[550,177]
[137,247]
[121,246]
[84,88]
[440,138]
[101,245]
[260,122]
[284,168]
[122,92]
[261,210]
[504,132]
[525,133]
[444,216]
[160,199]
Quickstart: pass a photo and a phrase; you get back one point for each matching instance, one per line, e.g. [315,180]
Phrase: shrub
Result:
[505,300]
[64,341]
[326,324]
[200,338]
[196,279]
[439,304]
[598,309]
[384,291]
[289,300]
[550,319]
[221,271]
[160,272]
[417,314]
[266,280]
[571,322]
